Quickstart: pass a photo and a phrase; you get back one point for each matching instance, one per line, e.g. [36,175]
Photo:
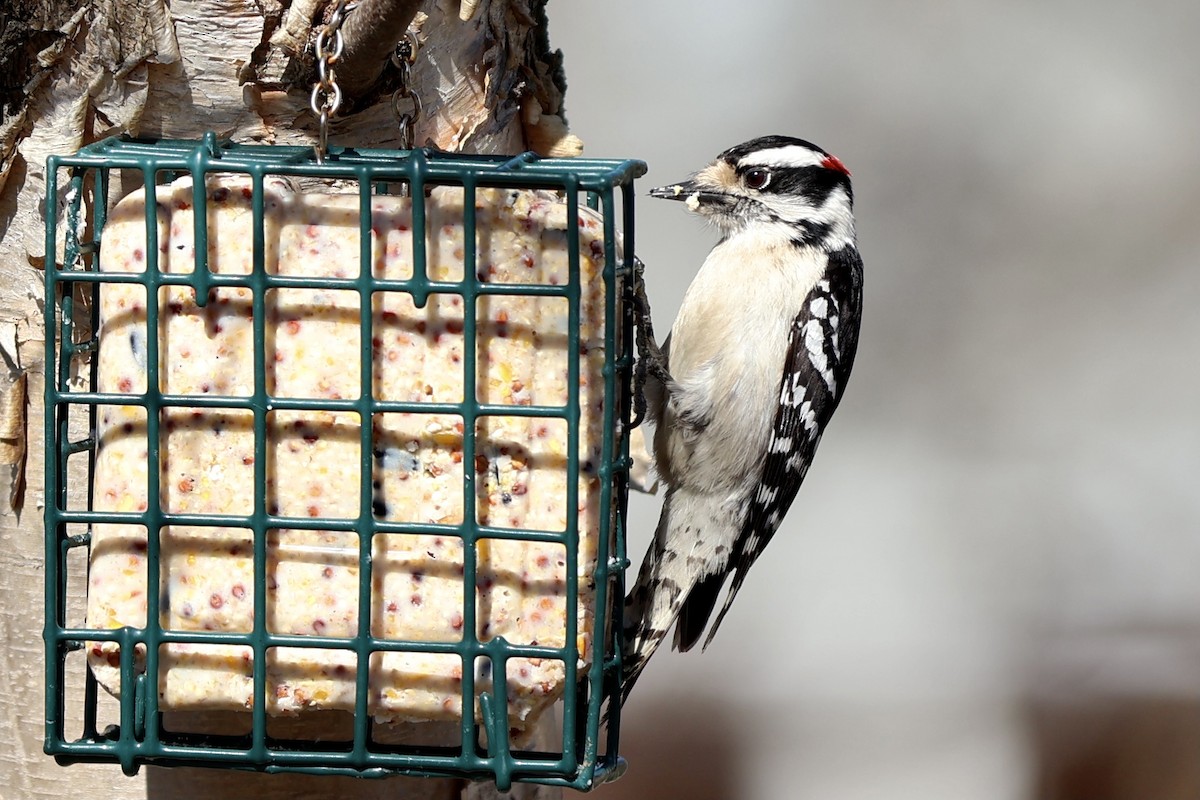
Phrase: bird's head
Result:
[777,185]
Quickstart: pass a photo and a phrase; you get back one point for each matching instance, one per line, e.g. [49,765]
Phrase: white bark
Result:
[177,69]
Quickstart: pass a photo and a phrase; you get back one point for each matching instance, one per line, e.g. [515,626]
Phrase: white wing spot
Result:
[814,341]
[809,418]
[819,307]
[781,444]
[766,495]
[792,394]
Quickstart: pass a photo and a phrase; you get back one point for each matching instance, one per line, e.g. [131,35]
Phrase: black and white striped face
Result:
[782,184]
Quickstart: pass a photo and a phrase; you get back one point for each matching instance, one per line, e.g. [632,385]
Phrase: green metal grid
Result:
[140,736]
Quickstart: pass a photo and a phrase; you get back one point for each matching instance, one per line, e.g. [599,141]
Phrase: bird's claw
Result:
[651,361]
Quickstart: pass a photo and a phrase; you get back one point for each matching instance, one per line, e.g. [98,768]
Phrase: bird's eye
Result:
[758,178]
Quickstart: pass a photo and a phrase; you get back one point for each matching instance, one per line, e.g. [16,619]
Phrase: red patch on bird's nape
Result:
[835,163]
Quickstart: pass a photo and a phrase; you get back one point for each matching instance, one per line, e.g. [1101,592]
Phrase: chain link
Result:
[402,58]
[326,96]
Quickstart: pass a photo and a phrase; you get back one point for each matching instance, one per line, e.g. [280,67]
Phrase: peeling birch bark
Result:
[242,68]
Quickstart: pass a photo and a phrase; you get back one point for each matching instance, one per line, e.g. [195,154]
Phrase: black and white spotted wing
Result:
[820,354]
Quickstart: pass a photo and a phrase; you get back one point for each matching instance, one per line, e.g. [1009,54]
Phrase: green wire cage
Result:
[134,726]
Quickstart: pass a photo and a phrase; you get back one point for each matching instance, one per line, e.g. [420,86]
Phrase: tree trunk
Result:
[72,73]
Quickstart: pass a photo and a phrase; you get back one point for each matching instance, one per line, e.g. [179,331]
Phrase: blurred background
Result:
[987,589]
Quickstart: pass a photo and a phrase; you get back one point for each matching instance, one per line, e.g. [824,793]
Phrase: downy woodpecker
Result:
[755,364]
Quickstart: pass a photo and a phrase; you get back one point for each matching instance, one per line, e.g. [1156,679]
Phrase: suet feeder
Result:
[344,440]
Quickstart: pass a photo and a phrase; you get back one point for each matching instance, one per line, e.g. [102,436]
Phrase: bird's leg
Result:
[650,355]
[651,361]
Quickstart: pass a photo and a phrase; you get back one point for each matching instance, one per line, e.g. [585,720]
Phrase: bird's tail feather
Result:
[679,580]
[651,605]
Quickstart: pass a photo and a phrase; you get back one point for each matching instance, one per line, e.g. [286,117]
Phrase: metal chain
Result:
[402,58]
[326,95]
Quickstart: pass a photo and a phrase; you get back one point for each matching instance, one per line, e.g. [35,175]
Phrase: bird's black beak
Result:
[698,194]
[677,191]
